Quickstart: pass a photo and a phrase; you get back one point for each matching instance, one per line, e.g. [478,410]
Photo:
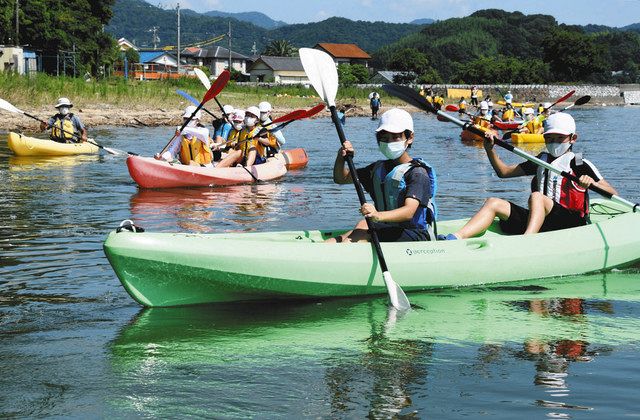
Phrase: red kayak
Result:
[507,125]
[151,173]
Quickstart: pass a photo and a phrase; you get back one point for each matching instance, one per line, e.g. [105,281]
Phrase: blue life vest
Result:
[389,187]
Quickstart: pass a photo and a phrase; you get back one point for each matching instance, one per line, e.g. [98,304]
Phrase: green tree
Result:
[280,48]
[574,57]
[345,76]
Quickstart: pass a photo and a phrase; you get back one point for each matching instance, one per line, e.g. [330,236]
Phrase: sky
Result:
[581,12]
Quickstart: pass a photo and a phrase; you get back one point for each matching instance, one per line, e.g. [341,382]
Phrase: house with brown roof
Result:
[345,53]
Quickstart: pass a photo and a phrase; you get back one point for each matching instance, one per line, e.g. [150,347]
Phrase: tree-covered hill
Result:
[133,19]
[257,18]
[510,47]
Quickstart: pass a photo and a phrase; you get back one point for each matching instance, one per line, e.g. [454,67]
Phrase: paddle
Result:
[412,97]
[581,101]
[214,90]
[564,98]
[194,101]
[207,84]
[323,75]
[10,108]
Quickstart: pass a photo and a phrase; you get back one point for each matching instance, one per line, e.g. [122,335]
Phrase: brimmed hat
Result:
[560,123]
[64,102]
[253,110]
[190,110]
[264,106]
[395,121]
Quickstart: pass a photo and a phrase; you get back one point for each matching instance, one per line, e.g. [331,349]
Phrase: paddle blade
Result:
[410,96]
[203,78]
[322,73]
[313,111]
[295,115]
[564,98]
[9,108]
[396,295]
[583,100]
[217,86]
[188,97]
[452,108]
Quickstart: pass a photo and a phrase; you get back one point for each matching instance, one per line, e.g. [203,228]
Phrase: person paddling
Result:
[65,126]
[555,202]
[402,188]
[246,150]
[272,141]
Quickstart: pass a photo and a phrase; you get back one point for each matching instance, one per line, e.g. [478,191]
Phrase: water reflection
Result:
[205,210]
[359,367]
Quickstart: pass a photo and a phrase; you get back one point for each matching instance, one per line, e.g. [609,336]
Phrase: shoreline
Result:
[104,115]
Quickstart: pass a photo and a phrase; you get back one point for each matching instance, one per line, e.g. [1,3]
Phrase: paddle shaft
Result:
[195,102]
[359,190]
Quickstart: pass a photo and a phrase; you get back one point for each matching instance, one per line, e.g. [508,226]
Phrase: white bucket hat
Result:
[395,121]
[560,123]
[63,102]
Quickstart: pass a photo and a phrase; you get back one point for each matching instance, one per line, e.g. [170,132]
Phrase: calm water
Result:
[73,343]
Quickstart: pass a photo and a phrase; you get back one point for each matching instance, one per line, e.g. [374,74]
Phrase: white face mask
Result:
[558,149]
[392,150]
[250,121]
[264,116]
[237,126]
[63,110]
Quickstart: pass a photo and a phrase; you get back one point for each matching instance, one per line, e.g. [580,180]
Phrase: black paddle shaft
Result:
[356,182]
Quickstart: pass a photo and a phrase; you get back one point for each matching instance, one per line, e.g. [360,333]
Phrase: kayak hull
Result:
[173,269]
[22,145]
[527,138]
[151,173]
[295,158]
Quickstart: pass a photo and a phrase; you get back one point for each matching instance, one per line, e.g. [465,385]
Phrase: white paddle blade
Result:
[396,295]
[8,107]
[203,78]
[322,73]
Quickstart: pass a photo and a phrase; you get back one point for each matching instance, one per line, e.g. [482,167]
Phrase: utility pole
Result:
[17,23]
[178,39]
[155,37]
[230,46]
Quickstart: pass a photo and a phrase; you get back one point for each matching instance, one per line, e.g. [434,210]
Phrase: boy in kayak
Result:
[402,187]
[246,149]
[555,202]
[65,126]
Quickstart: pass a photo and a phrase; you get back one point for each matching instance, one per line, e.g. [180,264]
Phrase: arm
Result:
[502,169]
[251,157]
[401,214]
[341,174]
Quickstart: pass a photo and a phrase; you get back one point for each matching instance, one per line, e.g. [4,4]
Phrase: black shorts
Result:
[390,233]
[558,218]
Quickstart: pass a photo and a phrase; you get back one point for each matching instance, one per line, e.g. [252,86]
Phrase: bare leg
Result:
[539,207]
[358,234]
[480,221]
[231,159]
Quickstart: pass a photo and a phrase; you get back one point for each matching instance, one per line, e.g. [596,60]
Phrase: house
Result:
[216,59]
[345,53]
[153,65]
[285,70]
[124,44]
[18,60]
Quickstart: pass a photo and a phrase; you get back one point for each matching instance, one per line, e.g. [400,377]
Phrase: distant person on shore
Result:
[555,202]
[375,104]
[65,126]
[474,95]
[402,187]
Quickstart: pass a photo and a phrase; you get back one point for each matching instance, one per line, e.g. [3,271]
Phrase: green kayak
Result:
[171,269]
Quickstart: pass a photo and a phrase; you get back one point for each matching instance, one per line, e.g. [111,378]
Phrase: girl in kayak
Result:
[555,202]
[402,187]
[246,151]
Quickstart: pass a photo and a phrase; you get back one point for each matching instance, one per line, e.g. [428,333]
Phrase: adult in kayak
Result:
[65,126]
[508,98]
[192,146]
[271,141]
[402,188]
[555,202]
[246,149]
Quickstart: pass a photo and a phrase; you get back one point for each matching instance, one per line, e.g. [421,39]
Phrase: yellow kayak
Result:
[527,138]
[517,104]
[22,145]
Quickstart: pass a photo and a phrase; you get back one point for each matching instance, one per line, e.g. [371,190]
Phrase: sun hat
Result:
[560,123]
[63,102]
[395,121]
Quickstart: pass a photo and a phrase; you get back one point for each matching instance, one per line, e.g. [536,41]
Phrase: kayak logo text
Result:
[424,251]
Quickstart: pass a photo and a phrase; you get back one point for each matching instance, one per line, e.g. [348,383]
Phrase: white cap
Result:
[228,109]
[190,110]
[238,115]
[527,111]
[546,105]
[484,105]
[560,123]
[253,110]
[264,106]
[63,102]
[395,121]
